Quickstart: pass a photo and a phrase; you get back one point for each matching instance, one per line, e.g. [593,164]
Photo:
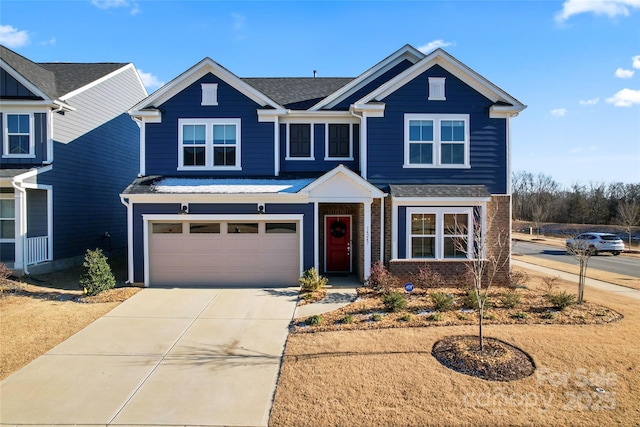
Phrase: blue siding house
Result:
[67,149]
[251,181]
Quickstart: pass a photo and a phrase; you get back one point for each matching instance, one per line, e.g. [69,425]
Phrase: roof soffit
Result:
[202,68]
[452,65]
[407,52]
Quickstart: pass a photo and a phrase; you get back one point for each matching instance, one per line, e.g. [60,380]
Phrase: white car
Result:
[596,243]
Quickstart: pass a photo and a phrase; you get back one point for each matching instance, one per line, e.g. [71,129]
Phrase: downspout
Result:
[129,239]
[23,220]
[363,135]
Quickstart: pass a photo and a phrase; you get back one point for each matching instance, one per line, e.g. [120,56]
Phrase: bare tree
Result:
[581,251]
[629,215]
[488,249]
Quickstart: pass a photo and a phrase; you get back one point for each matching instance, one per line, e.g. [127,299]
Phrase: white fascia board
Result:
[452,65]
[147,116]
[441,201]
[372,110]
[216,198]
[319,117]
[406,52]
[202,68]
[270,114]
[106,77]
[31,173]
[42,105]
[22,80]
[343,170]
[504,111]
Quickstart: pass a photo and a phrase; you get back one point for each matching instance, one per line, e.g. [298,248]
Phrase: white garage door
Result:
[261,253]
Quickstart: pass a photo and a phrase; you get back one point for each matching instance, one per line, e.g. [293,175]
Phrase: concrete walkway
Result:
[598,284]
[206,357]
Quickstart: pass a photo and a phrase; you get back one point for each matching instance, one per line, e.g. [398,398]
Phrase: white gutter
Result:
[129,207]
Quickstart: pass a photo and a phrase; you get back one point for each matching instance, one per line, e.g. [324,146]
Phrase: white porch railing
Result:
[37,249]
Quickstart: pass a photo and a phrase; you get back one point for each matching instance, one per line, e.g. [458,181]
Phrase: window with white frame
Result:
[209,144]
[300,141]
[339,141]
[439,233]
[18,135]
[436,140]
[7,217]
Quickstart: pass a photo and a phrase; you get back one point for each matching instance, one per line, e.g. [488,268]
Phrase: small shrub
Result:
[96,274]
[395,301]
[518,279]
[471,300]
[442,301]
[407,317]
[561,300]
[510,299]
[520,315]
[548,315]
[314,320]
[380,279]
[550,282]
[347,319]
[426,278]
[312,281]
[436,317]
[376,317]
[307,296]
[462,316]
[488,316]
[5,272]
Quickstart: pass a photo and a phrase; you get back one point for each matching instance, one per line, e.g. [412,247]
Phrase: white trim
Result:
[129,206]
[394,229]
[448,201]
[364,123]
[326,144]
[437,142]
[210,144]
[193,74]
[50,230]
[288,142]
[209,94]
[452,65]
[320,117]
[316,239]
[5,134]
[49,159]
[508,150]
[104,78]
[10,196]
[143,146]
[326,217]
[276,146]
[439,236]
[367,239]
[218,198]
[148,218]
[382,226]
[373,191]
[406,52]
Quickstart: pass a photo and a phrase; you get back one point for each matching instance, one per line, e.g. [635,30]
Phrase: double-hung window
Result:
[18,135]
[439,233]
[436,140]
[300,141]
[7,217]
[209,144]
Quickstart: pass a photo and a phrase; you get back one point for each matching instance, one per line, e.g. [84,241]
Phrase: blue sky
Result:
[576,64]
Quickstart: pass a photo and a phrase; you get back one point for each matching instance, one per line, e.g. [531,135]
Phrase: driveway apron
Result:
[207,357]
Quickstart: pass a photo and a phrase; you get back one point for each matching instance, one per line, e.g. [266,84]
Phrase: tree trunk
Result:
[480,335]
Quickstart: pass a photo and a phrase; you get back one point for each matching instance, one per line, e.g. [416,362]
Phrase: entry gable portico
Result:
[341,192]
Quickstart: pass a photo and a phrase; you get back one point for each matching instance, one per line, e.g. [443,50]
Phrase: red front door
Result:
[338,243]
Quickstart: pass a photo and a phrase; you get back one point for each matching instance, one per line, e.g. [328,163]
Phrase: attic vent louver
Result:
[436,89]
[209,94]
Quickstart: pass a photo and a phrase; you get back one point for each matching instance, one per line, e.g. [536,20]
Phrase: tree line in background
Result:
[538,198]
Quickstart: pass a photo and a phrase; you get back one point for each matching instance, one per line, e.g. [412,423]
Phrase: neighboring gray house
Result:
[67,148]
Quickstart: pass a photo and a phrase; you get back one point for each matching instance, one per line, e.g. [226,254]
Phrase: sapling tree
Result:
[628,216]
[488,249]
[581,252]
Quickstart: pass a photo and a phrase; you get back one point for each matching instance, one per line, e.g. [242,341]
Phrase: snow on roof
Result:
[229,186]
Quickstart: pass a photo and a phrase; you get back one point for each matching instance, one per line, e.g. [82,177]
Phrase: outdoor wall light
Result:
[260,208]
[184,209]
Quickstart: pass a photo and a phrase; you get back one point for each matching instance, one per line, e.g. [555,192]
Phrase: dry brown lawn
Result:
[34,319]
[388,377]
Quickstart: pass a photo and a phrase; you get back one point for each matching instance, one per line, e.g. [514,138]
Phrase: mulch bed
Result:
[498,361]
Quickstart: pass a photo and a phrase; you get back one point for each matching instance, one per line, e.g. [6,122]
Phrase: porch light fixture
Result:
[184,209]
[260,208]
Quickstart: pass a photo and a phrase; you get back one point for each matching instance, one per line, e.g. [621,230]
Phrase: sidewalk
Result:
[598,284]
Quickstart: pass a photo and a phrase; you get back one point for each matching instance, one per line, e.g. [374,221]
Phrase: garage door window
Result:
[280,228]
[205,228]
[167,228]
[242,228]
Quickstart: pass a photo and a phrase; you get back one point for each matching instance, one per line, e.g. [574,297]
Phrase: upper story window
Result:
[439,233]
[209,144]
[18,135]
[300,141]
[436,140]
[339,141]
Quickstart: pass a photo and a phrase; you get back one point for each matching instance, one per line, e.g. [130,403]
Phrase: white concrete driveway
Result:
[207,357]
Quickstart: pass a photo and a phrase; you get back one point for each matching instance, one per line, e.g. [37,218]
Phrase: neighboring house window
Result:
[7,217]
[300,141]
[438,233]
[19,141]
[436,140]
[209,144]
[436,89]
[338,142]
